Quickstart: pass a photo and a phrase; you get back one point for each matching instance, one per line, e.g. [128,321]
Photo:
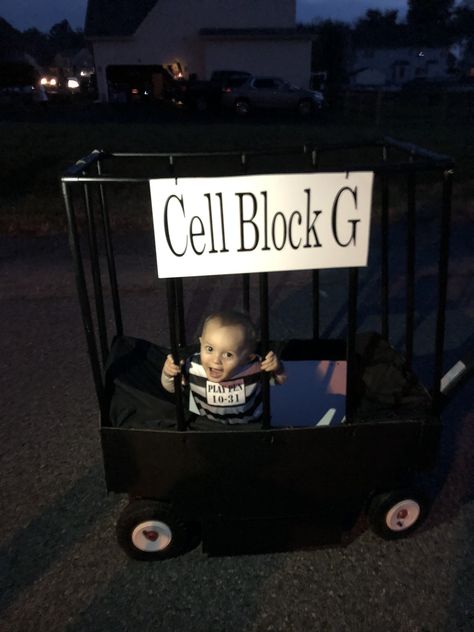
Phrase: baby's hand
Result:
[272,364]
[170,369]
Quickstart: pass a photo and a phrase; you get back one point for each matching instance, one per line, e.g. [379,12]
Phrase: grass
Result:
[35,153]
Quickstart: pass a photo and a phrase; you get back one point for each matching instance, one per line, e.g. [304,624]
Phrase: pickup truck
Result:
[207,95]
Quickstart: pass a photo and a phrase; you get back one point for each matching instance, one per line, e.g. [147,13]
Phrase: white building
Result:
[196,37]
[396,66]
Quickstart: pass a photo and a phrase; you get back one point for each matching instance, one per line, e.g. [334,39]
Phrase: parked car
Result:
[271,93]
[58,86]
[17,82]
[206,95]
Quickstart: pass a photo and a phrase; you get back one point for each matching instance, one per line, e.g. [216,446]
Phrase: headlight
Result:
[53,82]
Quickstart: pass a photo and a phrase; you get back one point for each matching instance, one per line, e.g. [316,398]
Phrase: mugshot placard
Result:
[265,223]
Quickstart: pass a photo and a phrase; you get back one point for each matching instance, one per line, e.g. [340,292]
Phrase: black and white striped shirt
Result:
[235,401]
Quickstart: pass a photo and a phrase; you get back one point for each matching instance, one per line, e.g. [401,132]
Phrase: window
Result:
[265,84]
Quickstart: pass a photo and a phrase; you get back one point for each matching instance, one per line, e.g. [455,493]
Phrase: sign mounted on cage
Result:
[264,223]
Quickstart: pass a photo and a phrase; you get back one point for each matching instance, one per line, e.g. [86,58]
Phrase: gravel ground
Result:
[61,568]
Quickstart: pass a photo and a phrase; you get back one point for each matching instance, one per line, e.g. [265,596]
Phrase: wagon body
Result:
[328,474]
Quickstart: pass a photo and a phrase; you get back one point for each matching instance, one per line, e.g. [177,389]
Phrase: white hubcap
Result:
[403,515]
[151,536]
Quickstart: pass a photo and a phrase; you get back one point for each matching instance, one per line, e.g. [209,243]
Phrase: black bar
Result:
[180,312]
[402,146]
[384,274]
[244,162]
[442,288]
[350,344]
[174,344]
[264,337]
[109,251]
[410,269]
[171,167]
[414,150]
[246,292]
[274,151]
[245,277]
[84,303]
[316,306]
[95,273]
[399,167]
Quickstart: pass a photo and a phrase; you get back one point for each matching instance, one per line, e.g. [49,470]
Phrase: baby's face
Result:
[223,350]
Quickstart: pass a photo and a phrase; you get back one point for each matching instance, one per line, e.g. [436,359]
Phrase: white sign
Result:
[265,223]
[226,393]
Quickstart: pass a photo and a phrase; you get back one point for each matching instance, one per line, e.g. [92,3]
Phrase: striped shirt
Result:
[235,401]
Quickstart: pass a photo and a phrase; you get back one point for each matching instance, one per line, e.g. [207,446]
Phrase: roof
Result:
[115,18]
[121,18]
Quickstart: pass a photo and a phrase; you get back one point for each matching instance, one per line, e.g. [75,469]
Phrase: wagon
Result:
[351,434]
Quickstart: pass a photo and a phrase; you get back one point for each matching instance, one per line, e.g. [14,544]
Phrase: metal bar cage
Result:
[85,188]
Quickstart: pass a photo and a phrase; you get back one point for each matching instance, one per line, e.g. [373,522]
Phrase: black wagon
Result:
[354,429]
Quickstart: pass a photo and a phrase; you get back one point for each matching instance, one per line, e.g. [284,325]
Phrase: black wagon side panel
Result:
[258,473]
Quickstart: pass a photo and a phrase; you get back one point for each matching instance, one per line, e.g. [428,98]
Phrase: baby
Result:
[224,378]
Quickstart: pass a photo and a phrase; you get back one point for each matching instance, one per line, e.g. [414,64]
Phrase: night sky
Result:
[42,14]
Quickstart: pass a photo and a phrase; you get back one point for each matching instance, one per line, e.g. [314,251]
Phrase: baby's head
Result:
[228,342]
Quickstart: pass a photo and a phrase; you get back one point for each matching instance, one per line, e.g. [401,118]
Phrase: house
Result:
[396,66]
[150,40]
[368,77]
[74,62]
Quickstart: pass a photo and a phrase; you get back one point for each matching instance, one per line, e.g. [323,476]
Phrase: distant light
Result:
[421,54]
[145,93]
[72,84]
[135,91]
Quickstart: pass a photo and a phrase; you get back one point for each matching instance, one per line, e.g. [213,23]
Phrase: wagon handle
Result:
[457,375]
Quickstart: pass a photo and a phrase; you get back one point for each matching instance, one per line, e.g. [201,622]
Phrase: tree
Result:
[10,38]
[462,21]
[63,37]
[378,29]
[428,20]
[423,13]
[329,54]
[38,45]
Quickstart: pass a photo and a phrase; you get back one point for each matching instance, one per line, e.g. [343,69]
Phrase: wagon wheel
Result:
[396,514]
[150,530]
[305,107]
[242,107]
[202,104]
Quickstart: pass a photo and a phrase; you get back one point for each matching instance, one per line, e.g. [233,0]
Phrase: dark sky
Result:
[42,14]
[344,10]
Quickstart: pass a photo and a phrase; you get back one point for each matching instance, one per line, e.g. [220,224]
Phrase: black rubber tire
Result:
[149,530]
[395,515]
[305,107]
[241,107]
[202,104]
